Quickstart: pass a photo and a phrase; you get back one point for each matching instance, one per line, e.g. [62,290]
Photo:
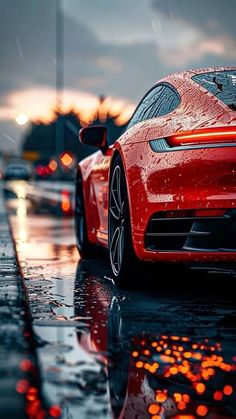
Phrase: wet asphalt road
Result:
[164,349]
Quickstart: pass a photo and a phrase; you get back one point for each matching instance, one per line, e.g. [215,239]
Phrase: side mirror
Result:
[95,136]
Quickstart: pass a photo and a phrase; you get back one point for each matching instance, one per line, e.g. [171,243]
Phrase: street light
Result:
[59,140]
[22,119]
[59,54]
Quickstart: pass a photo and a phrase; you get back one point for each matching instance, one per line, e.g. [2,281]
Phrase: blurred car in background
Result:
[18,170]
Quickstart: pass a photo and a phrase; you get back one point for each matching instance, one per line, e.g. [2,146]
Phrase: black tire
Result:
[85,248]
[118,358]
[123,261]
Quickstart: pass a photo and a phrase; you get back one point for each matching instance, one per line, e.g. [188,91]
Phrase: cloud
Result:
[188,32]
[27,41]
[212,16]
[117,22]
[220,48]
[118,49]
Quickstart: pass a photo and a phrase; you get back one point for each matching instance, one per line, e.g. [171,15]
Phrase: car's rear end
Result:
[186,208]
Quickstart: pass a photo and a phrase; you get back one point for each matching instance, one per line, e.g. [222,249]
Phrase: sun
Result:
[22,119]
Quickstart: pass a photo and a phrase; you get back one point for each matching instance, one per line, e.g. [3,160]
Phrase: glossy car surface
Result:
[178,160]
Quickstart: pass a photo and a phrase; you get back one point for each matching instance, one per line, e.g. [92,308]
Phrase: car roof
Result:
[198,108]
[188,74]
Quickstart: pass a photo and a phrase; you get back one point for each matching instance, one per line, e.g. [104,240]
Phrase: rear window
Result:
[159,101]
[221,84]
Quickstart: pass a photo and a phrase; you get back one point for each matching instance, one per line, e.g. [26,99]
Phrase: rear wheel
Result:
[123,260]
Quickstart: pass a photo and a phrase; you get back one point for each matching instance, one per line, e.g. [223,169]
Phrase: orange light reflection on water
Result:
[196,362]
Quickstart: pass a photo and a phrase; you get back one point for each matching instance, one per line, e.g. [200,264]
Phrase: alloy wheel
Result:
[117,221]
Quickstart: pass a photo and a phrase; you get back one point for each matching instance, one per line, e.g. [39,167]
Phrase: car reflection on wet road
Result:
[166,350]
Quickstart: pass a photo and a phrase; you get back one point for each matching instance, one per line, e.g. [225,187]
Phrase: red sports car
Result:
[166,189]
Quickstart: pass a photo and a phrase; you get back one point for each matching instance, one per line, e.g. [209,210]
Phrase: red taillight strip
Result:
[219,135]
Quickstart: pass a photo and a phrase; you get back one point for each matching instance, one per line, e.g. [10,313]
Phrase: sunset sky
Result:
[114,47]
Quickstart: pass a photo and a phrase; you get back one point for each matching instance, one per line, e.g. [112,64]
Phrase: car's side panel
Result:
[99,182]
[91,214]
[94,171]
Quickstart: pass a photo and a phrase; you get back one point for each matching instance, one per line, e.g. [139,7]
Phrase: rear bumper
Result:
[183,180]
[191,234]
[191,238]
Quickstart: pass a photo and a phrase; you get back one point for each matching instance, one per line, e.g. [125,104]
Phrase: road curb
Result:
[18,364]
